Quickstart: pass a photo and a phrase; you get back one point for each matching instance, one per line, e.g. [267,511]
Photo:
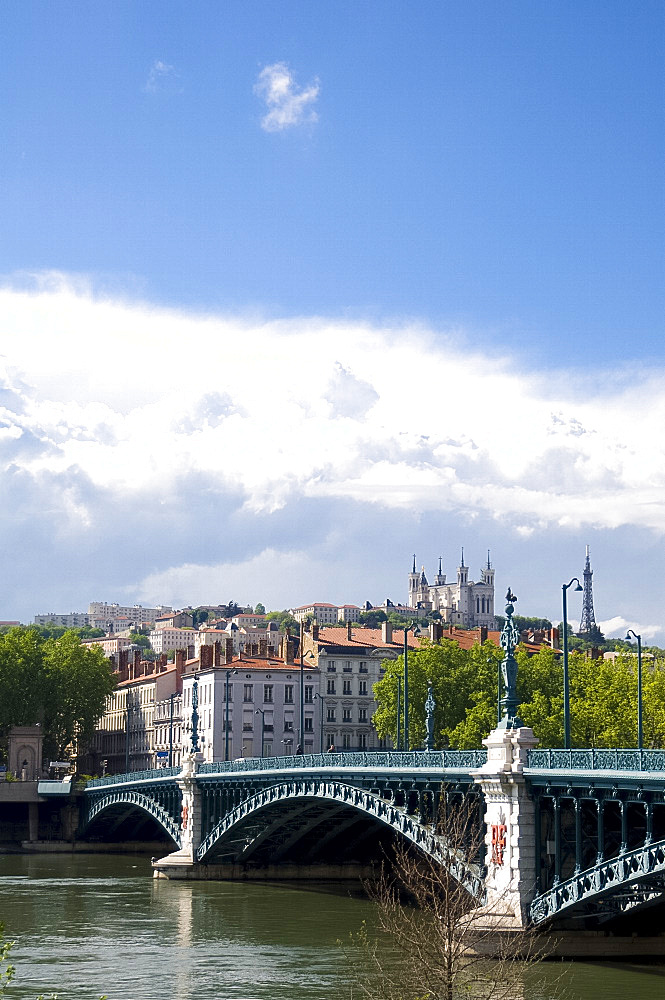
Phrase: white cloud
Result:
[264,578]
[617,627]
[460,434]
[198,457]
[162,78]
[287,104]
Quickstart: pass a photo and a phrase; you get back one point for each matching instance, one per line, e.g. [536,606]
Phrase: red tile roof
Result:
[338,636]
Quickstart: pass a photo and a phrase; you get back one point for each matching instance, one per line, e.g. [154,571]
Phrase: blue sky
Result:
[291,290]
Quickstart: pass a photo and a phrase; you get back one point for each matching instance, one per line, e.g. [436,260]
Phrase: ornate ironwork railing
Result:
[131,776]
[462,759]
[598,760]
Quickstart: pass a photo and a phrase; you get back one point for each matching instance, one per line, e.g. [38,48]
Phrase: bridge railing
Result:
[462,759]
[115,779]
[598,760]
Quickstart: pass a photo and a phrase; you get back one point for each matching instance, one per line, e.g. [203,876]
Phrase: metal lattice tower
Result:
[588,627]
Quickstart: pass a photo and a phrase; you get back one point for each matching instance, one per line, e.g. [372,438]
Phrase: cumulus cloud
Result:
[162,78]
[617,627]
[188,464]
[333,431]
[349,396]
[288,105]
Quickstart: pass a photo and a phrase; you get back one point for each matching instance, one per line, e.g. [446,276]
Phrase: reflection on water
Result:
[86,925]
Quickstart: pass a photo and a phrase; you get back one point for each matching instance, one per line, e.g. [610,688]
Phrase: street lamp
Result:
[195,715]
[566,693]
[639,684]
[321,702]
[261,712]
[302,686]
[399,713]
[226,716]
[129,706]
[416,631]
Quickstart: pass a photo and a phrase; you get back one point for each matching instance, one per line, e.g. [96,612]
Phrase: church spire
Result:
[414,563]
[489,564]
[440,561]
[462,562]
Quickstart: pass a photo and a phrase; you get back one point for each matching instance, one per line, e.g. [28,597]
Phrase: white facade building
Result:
[163,640]
[263,708]
[135,613]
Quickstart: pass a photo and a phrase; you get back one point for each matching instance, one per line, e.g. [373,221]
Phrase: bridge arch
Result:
[134,799]
[630,880]
[280,812]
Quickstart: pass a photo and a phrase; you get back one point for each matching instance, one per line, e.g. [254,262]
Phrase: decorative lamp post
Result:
[399,713]
[302,687]
[430,705]
[129,708]
[321,702]
[510,638]
[195,716]
[639,684]
[261,712]
[566,692]
[171,732]
[226,714]
[416,631]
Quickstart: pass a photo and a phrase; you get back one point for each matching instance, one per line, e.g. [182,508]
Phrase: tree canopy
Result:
[603,696]
[58,682]
[285,620]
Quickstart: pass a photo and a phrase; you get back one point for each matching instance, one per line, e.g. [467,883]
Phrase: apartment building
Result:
[249,706]
[125,735]
[350,661]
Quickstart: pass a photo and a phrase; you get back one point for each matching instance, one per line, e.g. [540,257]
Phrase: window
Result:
[332,665]
[363,667]
[346,741]
[267,749]
[347,687]
[362,687]
[347,667]
[330,717]
[288,726]
[267,692]
[309,694]
[346,715]
[362,740]
[309,724]
[248,692]
[331,685]
[362,715]
[288,694]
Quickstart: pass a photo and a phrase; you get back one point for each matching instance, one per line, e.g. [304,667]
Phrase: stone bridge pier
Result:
[510,821]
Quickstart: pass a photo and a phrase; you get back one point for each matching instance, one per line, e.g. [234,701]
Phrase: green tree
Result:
[77,682]
[21,678]
[372,619]
[285,620]
[6,969]
[140,640]
[463,686]
[259,609]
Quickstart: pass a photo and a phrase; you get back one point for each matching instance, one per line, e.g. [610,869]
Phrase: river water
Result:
[86,925]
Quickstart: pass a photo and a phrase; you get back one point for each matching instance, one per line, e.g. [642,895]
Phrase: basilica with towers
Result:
[463,603]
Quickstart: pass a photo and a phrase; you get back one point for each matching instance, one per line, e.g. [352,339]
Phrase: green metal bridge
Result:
[595,820]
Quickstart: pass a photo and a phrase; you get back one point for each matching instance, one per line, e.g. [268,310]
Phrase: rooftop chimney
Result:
[436,631]
[387,631]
